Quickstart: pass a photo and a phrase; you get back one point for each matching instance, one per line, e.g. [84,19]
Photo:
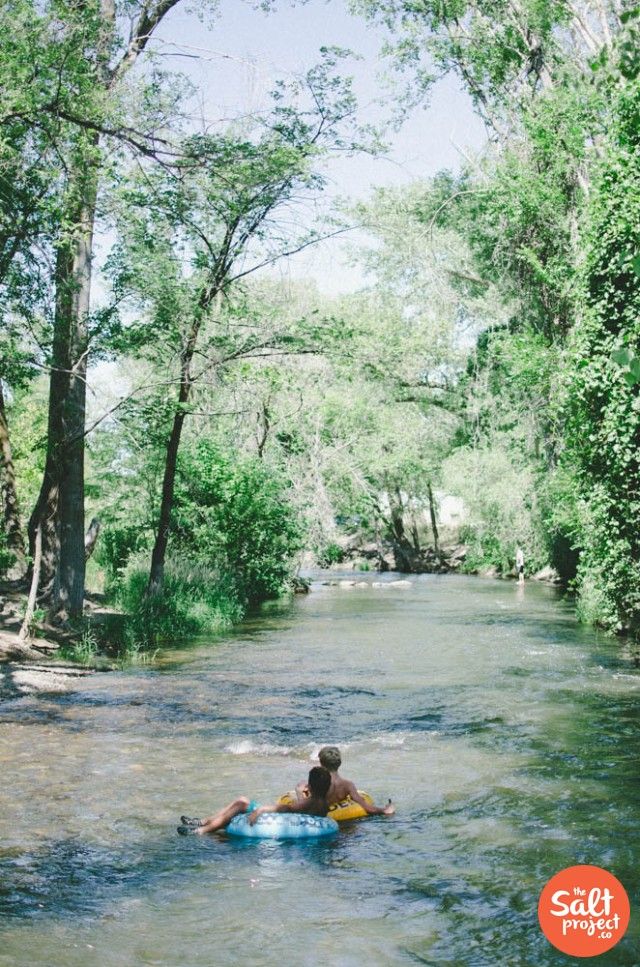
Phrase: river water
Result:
[506,734]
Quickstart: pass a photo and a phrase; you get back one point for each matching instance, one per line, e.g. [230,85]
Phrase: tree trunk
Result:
[25,629]
[11,509]
[264,425]
[45,512]
[397,522]
[156,574]
[60,505]
[404,552]
[91,538]
[69,584]
[159,553]
[415,537]
[45,518]
[434,522]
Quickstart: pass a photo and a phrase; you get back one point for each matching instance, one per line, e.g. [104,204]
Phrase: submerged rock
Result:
[548,574]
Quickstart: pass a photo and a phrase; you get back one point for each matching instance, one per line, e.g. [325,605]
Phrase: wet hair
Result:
[330,758]
[319,782]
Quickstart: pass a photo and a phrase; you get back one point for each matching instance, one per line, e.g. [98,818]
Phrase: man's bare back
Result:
[341,788]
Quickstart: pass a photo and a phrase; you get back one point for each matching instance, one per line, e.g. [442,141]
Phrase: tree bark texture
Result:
[158,556]
[60,505]
[70,574]
[404,552]
[45,512]
[91,538]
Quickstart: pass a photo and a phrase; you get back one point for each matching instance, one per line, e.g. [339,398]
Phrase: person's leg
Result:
[222,818]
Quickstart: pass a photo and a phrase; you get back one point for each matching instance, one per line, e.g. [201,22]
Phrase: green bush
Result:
[116,545]
[83,650]
[330,554]
[234,515]
[194,600]
[6,557]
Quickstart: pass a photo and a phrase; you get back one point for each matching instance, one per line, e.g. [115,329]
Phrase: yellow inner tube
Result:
[340,811]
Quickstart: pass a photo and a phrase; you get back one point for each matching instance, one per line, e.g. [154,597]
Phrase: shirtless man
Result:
[315,804]
[341,788]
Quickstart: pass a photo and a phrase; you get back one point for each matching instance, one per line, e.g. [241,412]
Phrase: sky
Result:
[234,60]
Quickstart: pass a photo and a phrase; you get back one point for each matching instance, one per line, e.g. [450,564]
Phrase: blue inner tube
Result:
[283,826]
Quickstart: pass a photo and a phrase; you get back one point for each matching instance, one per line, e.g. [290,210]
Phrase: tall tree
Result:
[93,112]
[225,212]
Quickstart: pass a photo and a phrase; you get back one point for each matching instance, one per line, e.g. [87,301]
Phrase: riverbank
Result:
[351,553]
[99,642]
[47,641]
[19,678]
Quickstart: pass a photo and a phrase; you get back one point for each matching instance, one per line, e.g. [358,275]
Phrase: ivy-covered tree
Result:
[602,383]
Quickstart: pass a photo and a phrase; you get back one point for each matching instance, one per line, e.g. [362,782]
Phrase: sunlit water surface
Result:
[506,734]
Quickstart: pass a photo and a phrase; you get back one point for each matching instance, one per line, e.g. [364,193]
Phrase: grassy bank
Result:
[192,601]
[126,624]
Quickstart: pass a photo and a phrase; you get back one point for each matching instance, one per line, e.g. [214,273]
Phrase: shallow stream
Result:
[506,734]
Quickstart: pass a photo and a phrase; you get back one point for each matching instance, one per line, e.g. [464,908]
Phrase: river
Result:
[506,734]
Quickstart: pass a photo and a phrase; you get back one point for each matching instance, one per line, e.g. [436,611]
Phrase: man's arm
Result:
[369,808]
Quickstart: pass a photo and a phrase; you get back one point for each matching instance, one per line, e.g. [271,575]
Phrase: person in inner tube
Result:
[341,788]
[315,804]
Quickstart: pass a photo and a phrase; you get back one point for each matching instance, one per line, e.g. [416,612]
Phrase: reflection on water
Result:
[505,733]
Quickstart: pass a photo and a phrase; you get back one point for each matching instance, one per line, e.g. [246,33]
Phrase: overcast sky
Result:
[234,61]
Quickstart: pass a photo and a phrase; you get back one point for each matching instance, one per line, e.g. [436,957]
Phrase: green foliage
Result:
[235,515]
[329,554]
[116,545]
[495,351]
[505,445]
[27,416]
[519,217]
[550,436]
[498,490]
[84,650]
[6,557]
[195,600]
[601,393]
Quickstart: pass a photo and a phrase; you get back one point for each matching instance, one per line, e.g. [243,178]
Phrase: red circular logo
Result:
[583,911]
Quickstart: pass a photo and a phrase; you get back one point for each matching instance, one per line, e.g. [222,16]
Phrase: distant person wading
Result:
[520,565]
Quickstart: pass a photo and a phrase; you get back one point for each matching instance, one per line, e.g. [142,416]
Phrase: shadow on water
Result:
[69,878]
[560,808]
